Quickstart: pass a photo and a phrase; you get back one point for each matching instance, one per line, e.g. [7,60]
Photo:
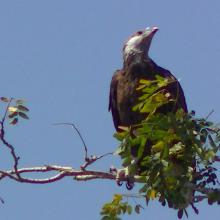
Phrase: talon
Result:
[129,187]
[129,184]
[119,183]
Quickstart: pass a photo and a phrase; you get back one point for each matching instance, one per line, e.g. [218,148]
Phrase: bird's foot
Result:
[123,175]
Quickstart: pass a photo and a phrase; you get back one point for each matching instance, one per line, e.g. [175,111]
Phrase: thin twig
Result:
[2,137]
[2,201]
[5,142]
[78,132]
[93,159]
[199,198]
[88,160]
[6,110]
[136,196]
[211,112]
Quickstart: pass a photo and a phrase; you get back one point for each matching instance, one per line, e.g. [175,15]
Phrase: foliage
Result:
[173,154]
[116,207]
[16,109]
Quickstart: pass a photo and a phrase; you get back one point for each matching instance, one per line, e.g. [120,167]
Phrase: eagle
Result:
[124,95]
[138,65]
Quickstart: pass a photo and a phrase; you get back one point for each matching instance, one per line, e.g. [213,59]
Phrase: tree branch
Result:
[5,142]
[80,136]
[62,172]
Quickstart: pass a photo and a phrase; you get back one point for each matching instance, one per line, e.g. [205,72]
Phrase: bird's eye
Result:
[140,32]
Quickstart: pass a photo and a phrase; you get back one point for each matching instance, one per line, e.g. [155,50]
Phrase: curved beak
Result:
[147,37]
[149,32]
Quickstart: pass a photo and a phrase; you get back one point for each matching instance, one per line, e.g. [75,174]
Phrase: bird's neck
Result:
[136,59]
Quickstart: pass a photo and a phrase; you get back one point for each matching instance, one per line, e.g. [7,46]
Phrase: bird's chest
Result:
[127,98]
[127,91]
[127,86]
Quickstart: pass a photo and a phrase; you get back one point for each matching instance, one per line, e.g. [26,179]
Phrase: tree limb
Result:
[62,172]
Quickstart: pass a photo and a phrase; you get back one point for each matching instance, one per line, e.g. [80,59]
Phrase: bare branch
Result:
[210,113]
[6,110]
[79,175]
[88,160]
[199,198]
[6,143]
[16,158]
[62,172]
[92,159]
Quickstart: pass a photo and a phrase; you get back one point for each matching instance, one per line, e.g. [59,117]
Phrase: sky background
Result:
[60,57]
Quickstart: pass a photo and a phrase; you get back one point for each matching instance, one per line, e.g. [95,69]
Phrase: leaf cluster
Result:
[116,207]
[173,154]
[154,94]
[16,109]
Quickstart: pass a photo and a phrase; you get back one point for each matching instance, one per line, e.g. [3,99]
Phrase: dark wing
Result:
[113,106]
[181,97]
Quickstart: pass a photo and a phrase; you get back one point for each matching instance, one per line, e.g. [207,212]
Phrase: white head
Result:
[139,43]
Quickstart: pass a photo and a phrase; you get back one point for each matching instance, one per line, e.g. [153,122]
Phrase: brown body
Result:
[123,93]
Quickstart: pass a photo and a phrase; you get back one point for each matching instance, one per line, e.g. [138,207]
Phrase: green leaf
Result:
[176,149]
[120,135]
[129,209]
[177,141]
[117,198]
[151,194]
[124,208]
[145,82]
[210,155]
[144,97]
[160,78]
[159,146]
[106,218]
[13,114]
[4,99]
[23,115]
[22,108]
[14,121]
[20,101]
[143,141]
[162,83]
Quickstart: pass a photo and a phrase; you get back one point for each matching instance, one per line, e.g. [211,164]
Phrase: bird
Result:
[138,65]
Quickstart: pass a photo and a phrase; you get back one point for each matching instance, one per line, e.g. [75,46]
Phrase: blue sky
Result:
[60,57]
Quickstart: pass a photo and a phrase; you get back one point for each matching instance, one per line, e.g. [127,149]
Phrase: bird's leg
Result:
[123,174]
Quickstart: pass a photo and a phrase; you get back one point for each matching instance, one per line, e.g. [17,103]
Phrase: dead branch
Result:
[92,159]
